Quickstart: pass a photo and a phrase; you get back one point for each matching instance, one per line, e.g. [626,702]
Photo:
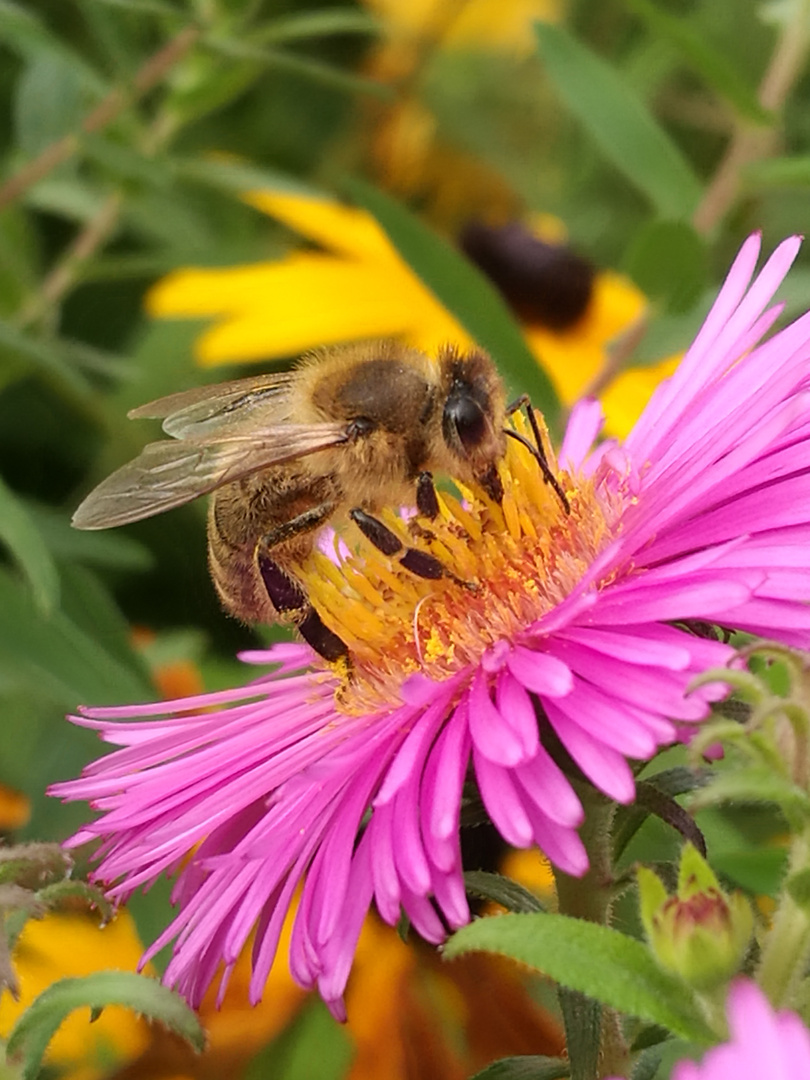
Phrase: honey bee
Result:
[343,434]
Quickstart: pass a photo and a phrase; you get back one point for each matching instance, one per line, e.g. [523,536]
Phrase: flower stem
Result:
[749,143]
[786,948]
[590,897]
[149,75]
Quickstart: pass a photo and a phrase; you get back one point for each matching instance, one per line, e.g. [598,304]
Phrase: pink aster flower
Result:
[350,789]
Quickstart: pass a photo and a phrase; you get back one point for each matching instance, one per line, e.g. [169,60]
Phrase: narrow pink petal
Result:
[584,424]
[539,672]
[650,646]
[409,853]
[503,803]
[412,751]
[562,846]
[689,600]
[452,753]
[451,897]
[491,735]
[606,769]
[339,952]
[516,709]
[543,783]
[379,834]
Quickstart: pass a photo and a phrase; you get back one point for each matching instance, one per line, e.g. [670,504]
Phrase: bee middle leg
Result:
[421,563]
[287,596]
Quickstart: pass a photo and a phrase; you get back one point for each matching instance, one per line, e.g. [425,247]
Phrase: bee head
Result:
[473,411]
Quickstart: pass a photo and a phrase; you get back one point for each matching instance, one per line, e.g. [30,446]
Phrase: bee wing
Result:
[207,411]
[168,473]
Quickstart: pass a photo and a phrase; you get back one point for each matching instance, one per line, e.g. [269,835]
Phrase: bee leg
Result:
[490,481]
[323,640]
[421,563]
[287,597]
[538,450]
[301,523]
[427,502]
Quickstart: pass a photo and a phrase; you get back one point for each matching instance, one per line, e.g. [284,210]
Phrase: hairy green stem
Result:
[590,897]
[786,948]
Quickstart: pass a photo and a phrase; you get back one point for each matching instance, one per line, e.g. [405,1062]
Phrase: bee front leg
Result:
[421,563]
[538,450]
[427,502]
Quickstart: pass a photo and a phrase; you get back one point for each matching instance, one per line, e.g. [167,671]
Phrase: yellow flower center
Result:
[507,566]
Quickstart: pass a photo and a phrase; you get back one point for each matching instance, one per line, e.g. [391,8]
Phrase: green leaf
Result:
[125,162]
[88,603]
[778,172]
[530,1067]
[619,123]
[94,548]
[651,798]
[714,67]
[19,533]
[754,784]
[45,358]
[29,36]
[215,85]
[145,7]
[65,197]
[50,101]
[669,263]
[648,1064]
[671,333]
[501,890]
[99,361]
[309,24]
[36,1027]
[760,872]
[59,658]
[305,66]
[19,257]
[238,176]
[466,294]
[595,960]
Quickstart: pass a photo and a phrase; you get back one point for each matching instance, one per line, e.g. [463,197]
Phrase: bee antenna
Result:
[537,451]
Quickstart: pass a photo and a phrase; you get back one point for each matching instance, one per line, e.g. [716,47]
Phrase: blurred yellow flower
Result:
[63,945]
[502,25]
[407,151]
[236,1030]
[120,1044]
[355,286]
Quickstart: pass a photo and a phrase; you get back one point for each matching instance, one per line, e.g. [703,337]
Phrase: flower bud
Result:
[701,933]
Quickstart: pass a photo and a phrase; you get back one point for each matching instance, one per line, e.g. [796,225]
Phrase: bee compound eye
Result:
[466,420]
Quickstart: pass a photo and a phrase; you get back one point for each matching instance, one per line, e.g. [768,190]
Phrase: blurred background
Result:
[192,190]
